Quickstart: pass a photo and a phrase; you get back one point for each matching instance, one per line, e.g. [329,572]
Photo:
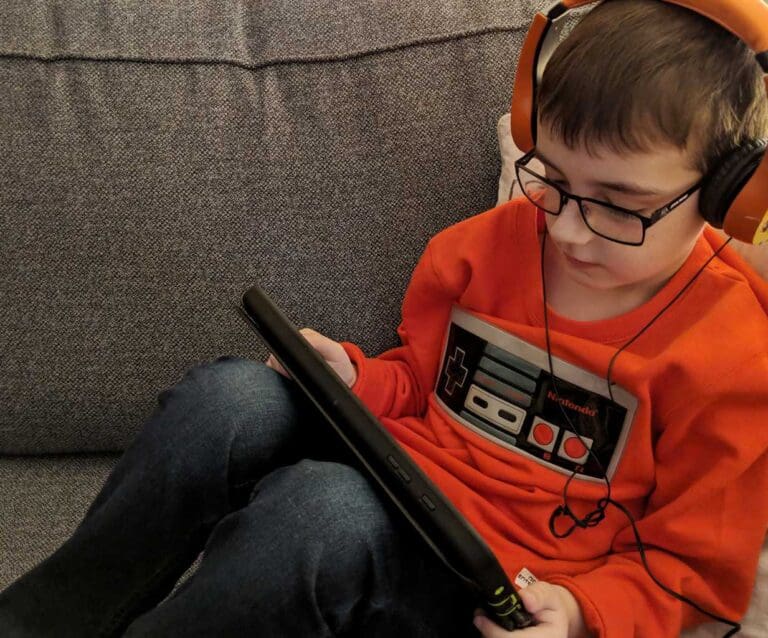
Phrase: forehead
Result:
[661,165]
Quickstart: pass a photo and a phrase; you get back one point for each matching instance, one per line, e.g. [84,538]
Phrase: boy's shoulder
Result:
[507,221]
[484,248]
[730,273]
[721,324]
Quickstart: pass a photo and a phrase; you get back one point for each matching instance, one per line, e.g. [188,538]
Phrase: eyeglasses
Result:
[614,223]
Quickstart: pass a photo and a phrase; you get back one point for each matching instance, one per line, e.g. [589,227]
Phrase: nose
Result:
[568,227]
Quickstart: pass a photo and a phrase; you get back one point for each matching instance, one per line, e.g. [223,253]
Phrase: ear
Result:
[509,152]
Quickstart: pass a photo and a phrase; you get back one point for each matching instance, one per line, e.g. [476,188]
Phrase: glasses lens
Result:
[540,193]
[613,224]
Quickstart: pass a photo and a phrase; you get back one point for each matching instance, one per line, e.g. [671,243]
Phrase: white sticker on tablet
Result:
[525,578]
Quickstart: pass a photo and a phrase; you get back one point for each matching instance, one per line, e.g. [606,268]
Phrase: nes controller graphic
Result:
[499,386]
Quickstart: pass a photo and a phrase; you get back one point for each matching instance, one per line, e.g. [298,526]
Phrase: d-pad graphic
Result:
[455,371]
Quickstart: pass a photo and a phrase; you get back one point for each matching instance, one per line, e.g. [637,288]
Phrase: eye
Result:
[620,214]
[629,206]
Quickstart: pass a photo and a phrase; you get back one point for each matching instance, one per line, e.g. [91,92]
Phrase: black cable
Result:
[594,517]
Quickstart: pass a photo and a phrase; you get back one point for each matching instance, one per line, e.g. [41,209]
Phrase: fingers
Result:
[273,363]
[331,351]
[317,341]
[539,597]
[490,629]
[542,597]
[545,602]
[556,605]
[536,631]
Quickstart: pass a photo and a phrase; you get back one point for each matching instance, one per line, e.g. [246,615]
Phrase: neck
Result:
[579,302]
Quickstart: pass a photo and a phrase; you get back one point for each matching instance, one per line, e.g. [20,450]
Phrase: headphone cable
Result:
[594,517]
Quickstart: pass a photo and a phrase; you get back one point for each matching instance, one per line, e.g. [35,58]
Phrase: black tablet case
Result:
[435,518]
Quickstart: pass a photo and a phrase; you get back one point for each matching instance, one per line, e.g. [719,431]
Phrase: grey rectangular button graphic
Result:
[503,414]
[510,376]
[521,365]
[504,390]
[487,427]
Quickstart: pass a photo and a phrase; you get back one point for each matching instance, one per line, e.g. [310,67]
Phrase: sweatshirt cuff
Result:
[372,376]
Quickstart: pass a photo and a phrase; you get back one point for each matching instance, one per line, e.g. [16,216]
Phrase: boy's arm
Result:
[397,382]
[705,522]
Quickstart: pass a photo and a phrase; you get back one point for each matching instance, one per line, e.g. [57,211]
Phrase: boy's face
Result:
[642,182]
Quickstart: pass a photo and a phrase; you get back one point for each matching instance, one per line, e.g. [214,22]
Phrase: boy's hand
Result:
[334,355]
[555,609]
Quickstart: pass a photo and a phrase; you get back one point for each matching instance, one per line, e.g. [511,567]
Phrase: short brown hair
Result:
[635,74]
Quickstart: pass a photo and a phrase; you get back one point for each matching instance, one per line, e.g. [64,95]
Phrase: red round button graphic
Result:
[574,448]
[543,434]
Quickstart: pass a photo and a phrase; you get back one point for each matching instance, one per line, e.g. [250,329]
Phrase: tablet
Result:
[433,516]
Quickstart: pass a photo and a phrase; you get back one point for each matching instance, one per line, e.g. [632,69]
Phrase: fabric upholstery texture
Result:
[42,499]
[161,158]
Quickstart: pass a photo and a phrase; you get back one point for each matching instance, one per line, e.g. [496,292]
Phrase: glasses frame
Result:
[646,221]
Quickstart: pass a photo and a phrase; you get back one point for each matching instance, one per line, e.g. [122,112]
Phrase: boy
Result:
[634,140]
[304,548]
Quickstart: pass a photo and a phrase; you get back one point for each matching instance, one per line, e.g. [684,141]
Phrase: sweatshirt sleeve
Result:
[397,382]
[704,524]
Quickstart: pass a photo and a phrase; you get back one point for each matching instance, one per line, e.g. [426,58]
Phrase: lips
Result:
[578,262]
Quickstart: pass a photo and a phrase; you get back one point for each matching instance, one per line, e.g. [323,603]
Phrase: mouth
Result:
[578,263]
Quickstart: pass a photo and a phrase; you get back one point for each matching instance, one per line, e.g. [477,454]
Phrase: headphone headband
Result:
[746,19]
[746,217]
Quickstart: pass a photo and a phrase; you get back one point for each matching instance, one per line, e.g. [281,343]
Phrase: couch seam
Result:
[269,63]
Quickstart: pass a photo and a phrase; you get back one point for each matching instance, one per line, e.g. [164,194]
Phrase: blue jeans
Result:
[236,463]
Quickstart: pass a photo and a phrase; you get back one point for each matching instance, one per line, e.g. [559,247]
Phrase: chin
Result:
[603,280]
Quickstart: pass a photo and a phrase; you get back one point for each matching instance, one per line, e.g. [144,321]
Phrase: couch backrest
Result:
[158,158]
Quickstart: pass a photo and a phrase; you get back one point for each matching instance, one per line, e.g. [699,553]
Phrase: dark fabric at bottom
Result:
[296,542]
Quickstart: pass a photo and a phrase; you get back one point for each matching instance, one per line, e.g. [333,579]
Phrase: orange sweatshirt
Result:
[689,460]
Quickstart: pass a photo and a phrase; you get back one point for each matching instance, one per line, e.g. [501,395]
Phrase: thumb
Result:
[536,597]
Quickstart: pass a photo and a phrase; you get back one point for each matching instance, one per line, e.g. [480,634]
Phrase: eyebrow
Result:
[619,187]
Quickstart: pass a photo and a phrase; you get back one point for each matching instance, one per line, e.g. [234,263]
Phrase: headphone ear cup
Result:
[725,182]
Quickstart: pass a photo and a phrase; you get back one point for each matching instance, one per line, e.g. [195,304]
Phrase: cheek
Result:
[661,254]
[629,264]
[672,239]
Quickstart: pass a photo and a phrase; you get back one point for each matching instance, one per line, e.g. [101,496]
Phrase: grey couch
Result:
[159,157]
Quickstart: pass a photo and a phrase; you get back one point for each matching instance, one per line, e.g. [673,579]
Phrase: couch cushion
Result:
[161,158]
[42,500]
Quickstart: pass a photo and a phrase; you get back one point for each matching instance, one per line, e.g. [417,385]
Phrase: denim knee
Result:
[296,560]
[365,570]
[225,411]
[332,500]
[332,511]
[229,382]
[222,394]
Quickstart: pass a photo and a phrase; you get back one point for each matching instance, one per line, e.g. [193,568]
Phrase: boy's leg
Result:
[315,553]
[223,426]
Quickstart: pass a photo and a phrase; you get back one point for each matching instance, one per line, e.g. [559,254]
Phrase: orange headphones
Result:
[734,196]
